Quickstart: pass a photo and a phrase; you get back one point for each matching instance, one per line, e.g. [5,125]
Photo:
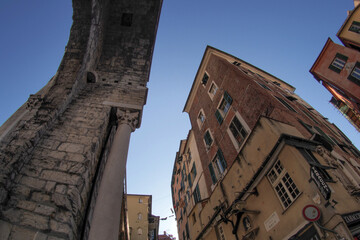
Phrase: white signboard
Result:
[271,221]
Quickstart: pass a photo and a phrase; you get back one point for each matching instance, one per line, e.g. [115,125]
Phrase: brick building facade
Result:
[263,151]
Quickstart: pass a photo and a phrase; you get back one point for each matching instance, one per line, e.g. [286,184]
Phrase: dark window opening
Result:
[287,105]
[263,85]
[355,74]
[355,27]
[205,79]
[338,63]
[90,78]
[126,19]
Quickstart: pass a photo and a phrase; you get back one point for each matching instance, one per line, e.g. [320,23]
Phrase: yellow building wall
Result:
[135,207]
[280,223]
[344,33]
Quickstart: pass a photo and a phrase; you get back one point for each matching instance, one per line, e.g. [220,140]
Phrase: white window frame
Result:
[202,77]
[281,173]
[211,94]
[199,122]
[236,144]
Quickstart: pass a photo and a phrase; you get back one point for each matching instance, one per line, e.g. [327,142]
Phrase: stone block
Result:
[71,147]
[22,190]
[53,154]
[5,229]
[13,215]
[32,182]
[50,144]
[21,233]
[60,177]
[40,236]
[27,205]
[61,200]
[60,188]
[59,227]
[73,138]
[32,171]
[75,157]
[35,221]
[49,186]
[40,197]
[44,209]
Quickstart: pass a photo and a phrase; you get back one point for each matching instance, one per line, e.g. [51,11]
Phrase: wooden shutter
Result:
[212,173]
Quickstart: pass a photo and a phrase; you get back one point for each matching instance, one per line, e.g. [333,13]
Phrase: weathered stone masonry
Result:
[50,148]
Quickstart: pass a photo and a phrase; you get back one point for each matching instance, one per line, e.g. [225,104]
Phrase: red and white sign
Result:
[311,213]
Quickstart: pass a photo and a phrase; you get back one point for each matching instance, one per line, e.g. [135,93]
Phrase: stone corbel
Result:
[34,101]
[129,117]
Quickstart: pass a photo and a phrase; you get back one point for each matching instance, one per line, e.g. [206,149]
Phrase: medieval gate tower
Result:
[75,131]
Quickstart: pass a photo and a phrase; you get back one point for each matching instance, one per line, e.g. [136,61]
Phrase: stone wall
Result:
[50,153]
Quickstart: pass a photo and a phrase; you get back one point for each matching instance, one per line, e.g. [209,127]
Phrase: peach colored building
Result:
[337,68]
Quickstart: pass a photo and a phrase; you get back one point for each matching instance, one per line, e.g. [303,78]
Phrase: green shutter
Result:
[324,135]
[194,170]
[198,192]
[218,116]
[212,173]
[189,178]
[222,159]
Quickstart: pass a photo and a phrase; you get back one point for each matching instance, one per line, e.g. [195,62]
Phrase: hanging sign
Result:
[320,183]
[311,213]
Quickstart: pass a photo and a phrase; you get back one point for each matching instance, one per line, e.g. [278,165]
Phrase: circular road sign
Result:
[311,213]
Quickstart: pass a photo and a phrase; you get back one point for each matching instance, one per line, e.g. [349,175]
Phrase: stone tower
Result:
[63,153]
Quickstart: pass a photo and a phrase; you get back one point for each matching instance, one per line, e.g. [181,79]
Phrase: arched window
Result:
[139,231]
[139,216]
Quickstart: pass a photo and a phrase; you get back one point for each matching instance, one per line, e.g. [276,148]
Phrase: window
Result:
[139,216]
[338,63]
[213,89]
[126,19]
[309,116]
[189,154]
[237,130]
[192,174]
[288,106]
[193,218]
[263,85]
[355,74]
[205,79]
[139,231]
[201,118]
[217,166]
[355,27]
[196,194]
[284,186]
[223,107]
[140,200]
[208,139]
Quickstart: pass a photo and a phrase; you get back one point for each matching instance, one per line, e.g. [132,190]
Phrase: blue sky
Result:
[281,37]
